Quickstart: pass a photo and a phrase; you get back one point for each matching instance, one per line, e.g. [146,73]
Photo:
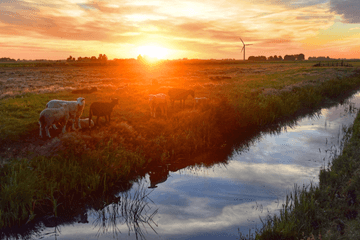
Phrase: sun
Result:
[153,51]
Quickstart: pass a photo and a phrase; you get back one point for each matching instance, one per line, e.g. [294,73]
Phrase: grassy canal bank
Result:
[53,176]
[329,210]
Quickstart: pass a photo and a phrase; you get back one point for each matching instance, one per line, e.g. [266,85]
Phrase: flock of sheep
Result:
[61,111]
[175,94]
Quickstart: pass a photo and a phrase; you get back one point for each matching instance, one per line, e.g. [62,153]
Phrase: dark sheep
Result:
[102,109]
[178,94]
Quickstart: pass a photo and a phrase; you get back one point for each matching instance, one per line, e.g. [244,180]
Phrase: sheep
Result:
[51,116]
[198,101]
[157,177]
[85,123]
[102,109]
[180,94]
[158,100]
[75,109]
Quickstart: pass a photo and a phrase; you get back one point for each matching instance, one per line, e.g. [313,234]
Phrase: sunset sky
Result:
[42,29]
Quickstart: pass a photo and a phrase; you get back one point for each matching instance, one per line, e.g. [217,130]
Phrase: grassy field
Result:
[46,175]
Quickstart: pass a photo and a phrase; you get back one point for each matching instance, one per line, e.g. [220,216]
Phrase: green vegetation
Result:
[89,163]
[61,183]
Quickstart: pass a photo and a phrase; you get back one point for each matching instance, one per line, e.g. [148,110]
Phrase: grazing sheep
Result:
[158,100]
[51,116]
[85,123]
[102,109]
[180,94]
[198,101]
[75,109]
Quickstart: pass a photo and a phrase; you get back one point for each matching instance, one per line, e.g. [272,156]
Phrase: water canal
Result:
[218,201]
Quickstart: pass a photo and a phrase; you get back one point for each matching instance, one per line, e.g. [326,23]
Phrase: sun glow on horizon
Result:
[153,51]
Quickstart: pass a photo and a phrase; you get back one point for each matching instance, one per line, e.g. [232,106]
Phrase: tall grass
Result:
[51,185]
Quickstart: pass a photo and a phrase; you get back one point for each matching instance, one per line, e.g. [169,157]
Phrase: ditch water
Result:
[218,201]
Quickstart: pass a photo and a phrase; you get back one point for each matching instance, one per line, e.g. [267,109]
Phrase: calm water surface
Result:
[217,202]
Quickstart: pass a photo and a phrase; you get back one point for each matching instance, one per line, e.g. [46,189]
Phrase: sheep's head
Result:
[81,100]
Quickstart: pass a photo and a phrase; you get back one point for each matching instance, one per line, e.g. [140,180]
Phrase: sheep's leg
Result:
[64,128]
[47,131]
[40,129]
[79,125]
[97,120]
[73,124]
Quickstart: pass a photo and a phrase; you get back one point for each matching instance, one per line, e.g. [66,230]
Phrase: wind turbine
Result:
[243,48]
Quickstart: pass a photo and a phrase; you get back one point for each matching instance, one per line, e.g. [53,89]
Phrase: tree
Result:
[69,59]
[300,57]
[289,58]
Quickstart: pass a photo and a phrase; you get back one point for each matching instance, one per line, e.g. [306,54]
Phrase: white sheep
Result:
[158,100]
[85,123]
[76,109]
[51,116]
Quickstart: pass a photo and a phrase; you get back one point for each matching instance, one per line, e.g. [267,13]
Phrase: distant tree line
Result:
[319,58]
[258,58]
[5,59]
[296,57]
[101,58]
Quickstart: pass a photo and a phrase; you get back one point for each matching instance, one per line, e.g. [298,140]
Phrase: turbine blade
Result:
[242,41]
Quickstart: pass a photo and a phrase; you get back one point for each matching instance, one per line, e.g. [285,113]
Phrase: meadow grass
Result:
[89,162]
